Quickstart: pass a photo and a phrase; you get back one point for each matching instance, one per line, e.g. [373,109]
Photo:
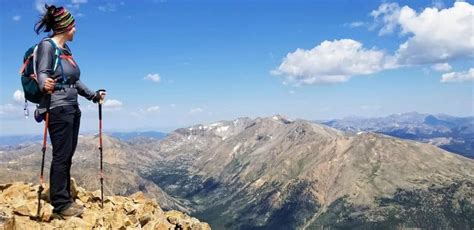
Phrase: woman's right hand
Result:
[49,84]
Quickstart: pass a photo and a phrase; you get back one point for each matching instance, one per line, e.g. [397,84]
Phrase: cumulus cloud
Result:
[435,35]
[387,16]
[113,104]
[332,62]
[442,67]
[153,77]
[19,96]
[16,18]
[145,112]
[458,76]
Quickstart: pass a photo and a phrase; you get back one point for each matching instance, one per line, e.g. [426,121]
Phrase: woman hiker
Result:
[59,79]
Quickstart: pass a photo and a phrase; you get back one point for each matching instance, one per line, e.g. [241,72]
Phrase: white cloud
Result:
[442,67]
[19,96]
[195,110]
[458,76]
[434,35]
[143,113]
[113,104]
[153,77]
[387,15]
[16,18]
[153,109]
[332,62]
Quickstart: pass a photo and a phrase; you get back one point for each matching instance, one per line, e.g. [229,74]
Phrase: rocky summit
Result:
[18,209]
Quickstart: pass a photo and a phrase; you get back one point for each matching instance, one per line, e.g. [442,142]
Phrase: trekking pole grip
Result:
[101,91]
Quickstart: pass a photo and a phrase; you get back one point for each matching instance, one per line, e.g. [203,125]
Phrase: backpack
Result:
[28,74]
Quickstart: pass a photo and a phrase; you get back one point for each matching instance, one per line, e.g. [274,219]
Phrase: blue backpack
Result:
[28,74]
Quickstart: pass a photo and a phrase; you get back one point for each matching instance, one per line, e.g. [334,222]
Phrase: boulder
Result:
[74,188]
[7,221]
[138,197]
[76,223]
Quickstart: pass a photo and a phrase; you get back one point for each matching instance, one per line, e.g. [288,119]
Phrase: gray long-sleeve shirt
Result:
[45,58]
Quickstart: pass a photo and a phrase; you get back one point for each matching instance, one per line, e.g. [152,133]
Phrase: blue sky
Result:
[170,64]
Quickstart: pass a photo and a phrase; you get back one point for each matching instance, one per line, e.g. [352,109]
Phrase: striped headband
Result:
[63,20]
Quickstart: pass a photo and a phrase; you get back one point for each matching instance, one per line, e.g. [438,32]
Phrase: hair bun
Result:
[49,7]
[48,18]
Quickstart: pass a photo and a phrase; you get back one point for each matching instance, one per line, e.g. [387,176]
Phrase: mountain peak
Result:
[281,118]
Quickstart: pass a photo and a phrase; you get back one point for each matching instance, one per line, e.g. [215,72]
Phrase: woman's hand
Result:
[99,96]
[102,96]
[49,84]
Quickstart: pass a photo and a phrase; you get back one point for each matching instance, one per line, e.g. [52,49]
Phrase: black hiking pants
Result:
[63,126]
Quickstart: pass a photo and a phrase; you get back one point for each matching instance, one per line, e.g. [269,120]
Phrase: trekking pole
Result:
[43,149]
[100,149]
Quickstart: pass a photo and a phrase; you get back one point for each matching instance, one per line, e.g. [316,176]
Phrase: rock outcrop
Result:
[18,209]
[123,163]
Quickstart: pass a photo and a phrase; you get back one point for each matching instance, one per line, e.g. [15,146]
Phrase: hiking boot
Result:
[72,210]
[78,206]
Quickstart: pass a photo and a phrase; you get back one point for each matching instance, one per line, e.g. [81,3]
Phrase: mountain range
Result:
[277,173]
[11,141]
[454,134]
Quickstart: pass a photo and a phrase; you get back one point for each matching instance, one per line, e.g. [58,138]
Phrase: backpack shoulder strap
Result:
[34,60]
[57,52]
[66,47]
[51,42]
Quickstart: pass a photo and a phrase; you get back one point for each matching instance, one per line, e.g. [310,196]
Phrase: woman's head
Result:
[58,20]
